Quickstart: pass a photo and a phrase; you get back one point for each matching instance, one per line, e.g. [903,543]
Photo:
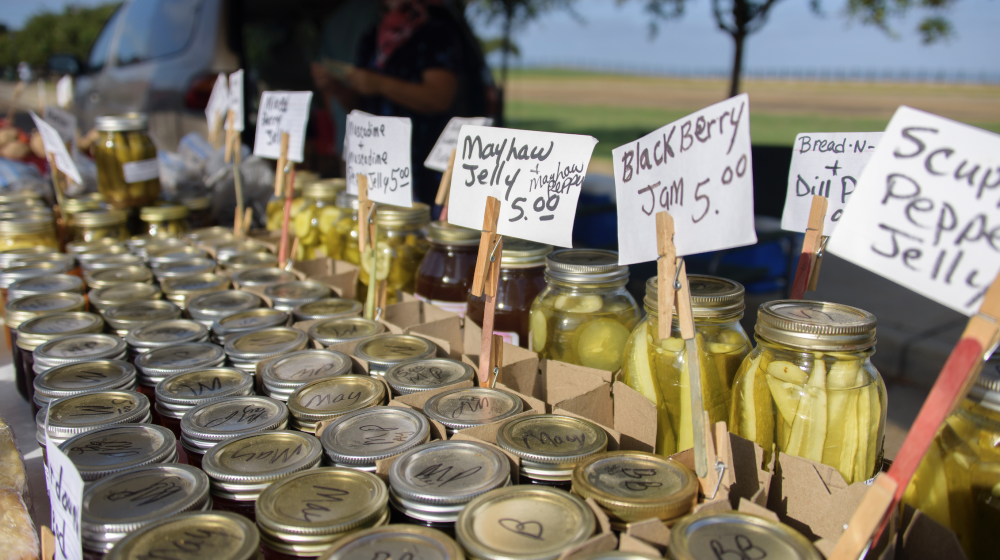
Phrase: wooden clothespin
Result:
[368,236]
[953,383]
[213,130]
[247,221]
[444,188]
[665,269]
[807,271]
[365,213]
[289,194]
[484,284]
[279,172]
[495,364]
[228,157]
[234,144]
[237,222]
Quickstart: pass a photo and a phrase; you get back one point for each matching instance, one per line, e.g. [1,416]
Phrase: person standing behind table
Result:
[407,66]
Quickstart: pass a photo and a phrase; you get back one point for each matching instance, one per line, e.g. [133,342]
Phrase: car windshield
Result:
[156,28]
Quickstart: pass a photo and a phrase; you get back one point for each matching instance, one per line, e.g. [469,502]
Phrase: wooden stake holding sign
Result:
[280,182]
[484,284]
[807,271]
[444,189]
[368,236]
[233,146]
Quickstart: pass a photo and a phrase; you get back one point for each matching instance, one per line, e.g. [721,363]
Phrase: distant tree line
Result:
[47,33]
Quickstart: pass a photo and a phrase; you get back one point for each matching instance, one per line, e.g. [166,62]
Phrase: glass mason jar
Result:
[101,453]
[199,211]
[275,209]
[128,175]
[212,422]
[83,203]
[809,388]
[190,536]
[550,446]
[176,394]
[93,225]
[330,398]
[166,220]
[28,231]
[659,368]
[445,274]
[315,221]
[282,376]
[358,439]
[401,245]
[342,243]
[584,315]
[522,278]
[958,481]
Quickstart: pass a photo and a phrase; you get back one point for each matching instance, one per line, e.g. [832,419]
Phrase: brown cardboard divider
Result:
[446,332]
[540,407]
[651,531]
[634,545]
[635,418]
[269,239]
[603,540]
[405,315]
[340,276]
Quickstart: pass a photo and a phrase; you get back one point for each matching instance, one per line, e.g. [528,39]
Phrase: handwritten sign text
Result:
[379,148]
[282,111]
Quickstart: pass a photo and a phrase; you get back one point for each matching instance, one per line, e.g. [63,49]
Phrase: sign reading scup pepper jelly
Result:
[282,111]
[826,164]
[379,149]
[65,489]
[537,176]
[448,141]
[54,145]
[926,212]
[699,170]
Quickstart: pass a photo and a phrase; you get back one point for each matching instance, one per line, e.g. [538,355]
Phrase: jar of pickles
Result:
[445,274]
[28,231]
[401,245]
[584,315]
[93,225]
[659,368]
[165,220]
[128,174]
[342,243]
[522,278]
[315,221]
[958,481]
[809,388]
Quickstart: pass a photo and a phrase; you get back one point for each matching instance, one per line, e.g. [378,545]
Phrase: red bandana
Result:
[398,25]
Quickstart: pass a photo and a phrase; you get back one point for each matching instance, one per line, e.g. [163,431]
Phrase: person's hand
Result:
[323,80]
[365,82]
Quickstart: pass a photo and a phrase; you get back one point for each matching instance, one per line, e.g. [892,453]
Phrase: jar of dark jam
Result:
[19,311]
[445,274]
[79,378]
[104,452]
[522,278]
[210,423]
[177,394]
[192,536]
[36,332]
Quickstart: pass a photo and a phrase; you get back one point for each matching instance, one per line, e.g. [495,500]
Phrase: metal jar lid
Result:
[472,406]
[84,202]
[163,212]
[396,541]
[327,308]
[359,438]
[233,247]
[335,501]
[246,261]
[179,393]
[126,317]
[27,224]
[397,216]
[39,330]
[120,294]
[284,375]
[79,414]
[179,290]
[46,284]
[335,331]
[434,481]
[702,535]
[816,325]
[146,244]
[209,423]
[711,297]
[11,255]
[347,200]
[110,262]
[584,266]
[121,123]
[63,263]
[550,445]
[290,295]
[192,536]
[19,196]
[444,233]
[97,217]
[243,467]
[106,451]
[162,362]
[174,254]
[325,189]
[386,350]
[19,311]
[79,247]
[632,485]
[188,267]
[77,348]
[197,203]
[101,253]
[12,274]
[265,343]
[208,308]
[125,502]
[423,375]
[986,391]
[86,377]
[524,522]
[110,277]
[166,333]
[196,235]
[518,253]
[248,321]
[262,277]
[330,398]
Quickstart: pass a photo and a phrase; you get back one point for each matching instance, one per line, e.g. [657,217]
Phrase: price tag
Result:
[218,102]
[63,121]
[282,111]
[379,148]
[64,92]
[536,176]
[926,212]
[65,488]
[236,99]
[441,152]
[54,145]
[827,164]
[697,168]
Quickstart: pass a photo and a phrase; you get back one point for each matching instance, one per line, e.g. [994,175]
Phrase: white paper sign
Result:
[138,171]
[63,121]
[282,111]
[65,488]
[537,176]
[236,99]
[54,145]
[218,103]
[441,152]
[64,92]
[827,164]
[697,168]
[379,148]
[926,213]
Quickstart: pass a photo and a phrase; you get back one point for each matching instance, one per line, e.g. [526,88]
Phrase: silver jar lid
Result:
[87,377]
[247,321]
[330,398]
[584,266]
[146,245]
[120,294]
[550,445]
[178,290]
[158,363]
[209,423]
[347,200]
[360,438]
[106,451]
[79,247]
[78,348]
[179,393]
[518,253]
[243,467]
[165,333]
[173,254]
[222,536]
[126,317]
[71,416]
[423,375]
[101,253]
[177,269]
[21,310]
[195,236]
[46,284]
[327,308]
[336,331]
[125,502]
[11,255]
[816,325]
[230,248]
[121,123]
[284,375]
[289,295]
[35,332]
[472,406]
[265,343]
[395,541]
[705,534]
[110,262]
[208,308]
[434,481]
[112,276]
[12,274]
[386,350]
[246,261]
[262,277]
[711,297]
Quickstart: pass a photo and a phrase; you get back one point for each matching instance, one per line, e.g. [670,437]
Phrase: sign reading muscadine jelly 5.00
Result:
[699,170]
[379,149]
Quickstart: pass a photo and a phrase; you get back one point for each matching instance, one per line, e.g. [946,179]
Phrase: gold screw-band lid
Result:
[193,536]
[632,485]
[816,325]
[711,296]
[702,535]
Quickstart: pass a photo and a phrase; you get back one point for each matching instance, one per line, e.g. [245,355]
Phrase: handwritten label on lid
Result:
[65,488]
[826,164]
[63,121]
[697,168]
[282,111]
[448,141]
[379,148]
[54,145]
[218,102]
[64,91]
[925,213]
[537,176]
[235,99]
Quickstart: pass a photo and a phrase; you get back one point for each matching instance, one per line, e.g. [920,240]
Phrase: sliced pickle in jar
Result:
[602,344]
[383,261]
[539,326]
[578,304]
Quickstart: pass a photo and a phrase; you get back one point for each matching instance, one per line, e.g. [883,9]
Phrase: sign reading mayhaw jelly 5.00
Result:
[537,176]
[699,170]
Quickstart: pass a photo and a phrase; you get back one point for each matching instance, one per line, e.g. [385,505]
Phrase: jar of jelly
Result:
[43,331]
[199,212]
[79,378]
[424,375]
[281,377]
[245,350]
[386,350]
[129,316]
[210,423]
[242,323]
[396,541]
[76,348]
[164,255]
[11,275]
[17,312]
[211,307]
[105,298]
[261,277]
[328,399]
[735,534]
[162,334]
[29,230]
[445,274]
[550,446]
[464,408]
[522,278]
[174,359]
[177,394]
[92,225]
[358,439]
[192,536]
[240,262]
[79,414]
[342,242]
[166,220]
[47,284]
[809,388]
[584,315]
[110,277]
[178,290]
[289,295]
[659,368]
[188,267]
[239,469]
[314,222]
[401,245]
[108,451]
[330,332]
[327,308]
